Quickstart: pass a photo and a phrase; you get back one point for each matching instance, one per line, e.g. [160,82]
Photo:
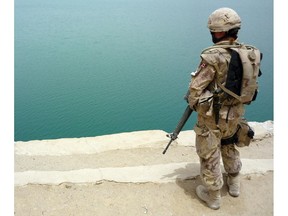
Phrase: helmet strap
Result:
[233,33]
[216,40]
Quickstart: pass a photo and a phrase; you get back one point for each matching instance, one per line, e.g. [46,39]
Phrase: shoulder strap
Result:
[228,91]
[228,46]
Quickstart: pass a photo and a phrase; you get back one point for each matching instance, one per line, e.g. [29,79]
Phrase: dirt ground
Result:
[170,199]
[108,198]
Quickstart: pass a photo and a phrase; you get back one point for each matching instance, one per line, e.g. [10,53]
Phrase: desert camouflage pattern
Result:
[209,150]
[223,19]
[208,134]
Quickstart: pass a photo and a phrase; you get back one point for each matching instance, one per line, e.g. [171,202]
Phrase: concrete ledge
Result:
[92,145]
[161,173]
[130,140]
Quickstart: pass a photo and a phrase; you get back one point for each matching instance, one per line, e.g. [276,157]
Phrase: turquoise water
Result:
[93,67]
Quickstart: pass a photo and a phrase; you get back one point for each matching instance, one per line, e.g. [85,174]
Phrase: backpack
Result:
[243,72]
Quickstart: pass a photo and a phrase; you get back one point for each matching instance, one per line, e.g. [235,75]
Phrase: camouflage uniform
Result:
[212,69]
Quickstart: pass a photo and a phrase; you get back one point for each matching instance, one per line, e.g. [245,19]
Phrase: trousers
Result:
[210,150]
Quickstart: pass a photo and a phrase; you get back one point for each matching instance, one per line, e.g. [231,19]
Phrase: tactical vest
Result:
[243,70]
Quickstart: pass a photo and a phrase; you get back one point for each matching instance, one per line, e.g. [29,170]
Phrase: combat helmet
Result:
[223,20]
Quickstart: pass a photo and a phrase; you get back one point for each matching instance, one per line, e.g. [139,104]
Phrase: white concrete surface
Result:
[138,139]
[157,173]
[161,173]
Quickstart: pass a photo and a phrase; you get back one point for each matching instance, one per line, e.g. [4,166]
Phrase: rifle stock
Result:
[173,136]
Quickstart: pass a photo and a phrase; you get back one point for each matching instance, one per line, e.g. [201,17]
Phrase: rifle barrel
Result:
[171,140]
[179,127]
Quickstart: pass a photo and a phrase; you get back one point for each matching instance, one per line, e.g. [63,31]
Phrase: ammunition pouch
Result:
[242,137]
[245,134]
[204,106]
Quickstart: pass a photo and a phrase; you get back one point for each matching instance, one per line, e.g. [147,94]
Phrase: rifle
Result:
[217,104]
[173,136]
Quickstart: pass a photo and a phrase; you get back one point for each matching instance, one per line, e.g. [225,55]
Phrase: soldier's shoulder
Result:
[213,55]
[212,50]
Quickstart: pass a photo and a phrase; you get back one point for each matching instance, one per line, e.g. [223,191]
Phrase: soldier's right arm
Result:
[200,80]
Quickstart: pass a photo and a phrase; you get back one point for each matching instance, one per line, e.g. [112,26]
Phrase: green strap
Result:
[228,91]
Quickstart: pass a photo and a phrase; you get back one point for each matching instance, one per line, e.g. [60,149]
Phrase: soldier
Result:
[219,114]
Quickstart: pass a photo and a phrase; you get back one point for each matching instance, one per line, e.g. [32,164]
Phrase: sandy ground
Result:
[109,198]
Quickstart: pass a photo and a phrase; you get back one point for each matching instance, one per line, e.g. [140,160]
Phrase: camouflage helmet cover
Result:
[223,19]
